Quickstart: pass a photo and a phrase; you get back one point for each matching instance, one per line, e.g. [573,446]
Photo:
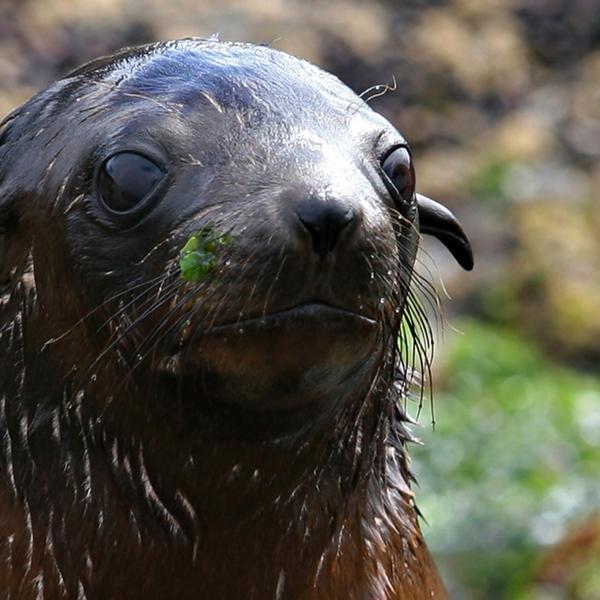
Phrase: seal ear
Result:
[6,223]
[437,220]
[7,220]
[11,251]
[2,253]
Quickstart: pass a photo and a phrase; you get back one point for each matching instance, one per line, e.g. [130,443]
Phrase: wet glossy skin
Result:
[241,148]
[232,437]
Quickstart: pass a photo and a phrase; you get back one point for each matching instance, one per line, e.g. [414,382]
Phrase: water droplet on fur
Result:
[94,377]
[139,358]
[241,330]
[227,263]
[172,365]
[381,300]
[372,275]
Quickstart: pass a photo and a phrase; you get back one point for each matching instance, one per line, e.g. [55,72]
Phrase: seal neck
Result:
[193,504]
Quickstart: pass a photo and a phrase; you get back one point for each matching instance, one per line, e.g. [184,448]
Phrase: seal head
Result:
[206,252]
[192,136]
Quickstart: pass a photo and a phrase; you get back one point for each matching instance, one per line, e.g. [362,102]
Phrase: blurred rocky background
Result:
[500,100]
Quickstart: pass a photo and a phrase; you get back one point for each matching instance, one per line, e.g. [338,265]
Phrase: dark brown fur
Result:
[150,447]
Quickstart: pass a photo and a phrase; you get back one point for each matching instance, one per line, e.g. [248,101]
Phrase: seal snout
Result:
[324,220]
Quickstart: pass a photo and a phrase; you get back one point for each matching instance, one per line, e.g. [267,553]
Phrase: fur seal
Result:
[207,251]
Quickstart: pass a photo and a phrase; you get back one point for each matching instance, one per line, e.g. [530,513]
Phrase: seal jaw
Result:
[284,349]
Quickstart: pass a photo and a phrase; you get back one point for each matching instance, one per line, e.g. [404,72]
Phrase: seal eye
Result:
[399,168]
[125,179]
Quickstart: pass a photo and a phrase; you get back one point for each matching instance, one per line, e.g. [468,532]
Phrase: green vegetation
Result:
[513,463]
[488,184]
[198,258]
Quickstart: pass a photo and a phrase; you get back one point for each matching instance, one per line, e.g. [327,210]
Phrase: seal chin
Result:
[309,349]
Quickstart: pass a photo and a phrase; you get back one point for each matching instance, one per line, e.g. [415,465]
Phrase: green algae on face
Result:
[198,257]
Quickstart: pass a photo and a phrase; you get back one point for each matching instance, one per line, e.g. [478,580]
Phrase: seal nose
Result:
[324,220]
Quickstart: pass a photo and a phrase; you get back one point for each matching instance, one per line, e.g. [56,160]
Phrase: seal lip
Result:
[300,316]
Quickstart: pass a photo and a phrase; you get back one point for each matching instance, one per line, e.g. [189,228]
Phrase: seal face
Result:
[205,246]
[259,146]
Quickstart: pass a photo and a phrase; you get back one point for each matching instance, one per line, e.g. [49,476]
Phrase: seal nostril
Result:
[324,220]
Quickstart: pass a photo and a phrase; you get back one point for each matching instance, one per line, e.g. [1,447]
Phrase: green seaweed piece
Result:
[198,257]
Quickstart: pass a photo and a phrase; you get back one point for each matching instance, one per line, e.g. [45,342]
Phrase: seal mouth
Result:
[302,316]
[277,345]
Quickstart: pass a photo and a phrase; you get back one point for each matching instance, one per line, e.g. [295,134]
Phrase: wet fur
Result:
[115,484]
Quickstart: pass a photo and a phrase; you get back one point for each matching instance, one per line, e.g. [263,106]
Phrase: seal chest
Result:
[206,256]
